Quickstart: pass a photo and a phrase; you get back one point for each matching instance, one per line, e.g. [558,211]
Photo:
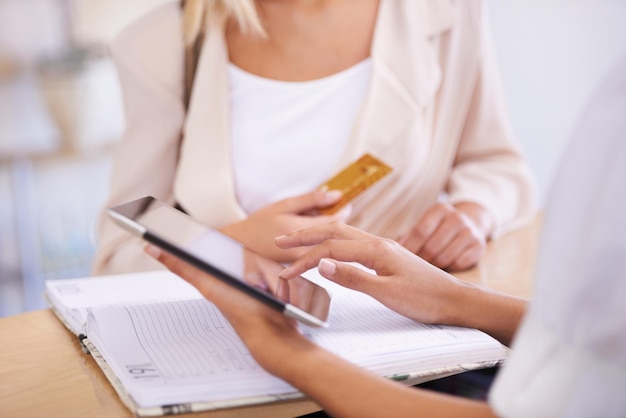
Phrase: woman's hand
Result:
[268,334]
[450,237]
[402,281]
[278,346]
[257,232]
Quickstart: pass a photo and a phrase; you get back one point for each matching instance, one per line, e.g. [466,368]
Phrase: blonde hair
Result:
[197,12]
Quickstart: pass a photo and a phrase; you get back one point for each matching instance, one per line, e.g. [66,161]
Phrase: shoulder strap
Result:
[192,55]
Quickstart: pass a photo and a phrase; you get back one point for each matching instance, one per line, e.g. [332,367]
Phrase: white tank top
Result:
[287,137]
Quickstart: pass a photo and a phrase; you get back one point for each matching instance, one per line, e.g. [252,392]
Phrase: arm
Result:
[490,188]
[148,57]
[490,169]
[278,346]
[345,390]
[403,282]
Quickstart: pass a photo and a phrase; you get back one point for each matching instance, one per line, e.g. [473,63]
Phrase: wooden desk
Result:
[43,371]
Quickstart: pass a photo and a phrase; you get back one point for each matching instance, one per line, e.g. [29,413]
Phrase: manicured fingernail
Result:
[327,267]
[332,196]
[153,251]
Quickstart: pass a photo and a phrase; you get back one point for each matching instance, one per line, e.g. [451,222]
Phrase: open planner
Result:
[167,350]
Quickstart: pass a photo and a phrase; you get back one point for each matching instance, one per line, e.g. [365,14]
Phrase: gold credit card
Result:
[354,180]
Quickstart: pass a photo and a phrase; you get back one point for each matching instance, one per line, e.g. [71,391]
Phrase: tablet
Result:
[224,258]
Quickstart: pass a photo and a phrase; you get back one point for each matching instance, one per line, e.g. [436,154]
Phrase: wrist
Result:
[281,351]
[492,312]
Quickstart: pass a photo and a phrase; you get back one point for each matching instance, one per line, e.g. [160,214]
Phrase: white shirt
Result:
[287,137]
[569,358]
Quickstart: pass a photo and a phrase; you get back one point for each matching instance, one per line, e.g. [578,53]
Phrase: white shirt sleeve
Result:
[569,357]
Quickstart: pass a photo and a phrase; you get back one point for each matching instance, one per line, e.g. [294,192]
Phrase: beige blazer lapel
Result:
[204,184]
[405,78]
[406,72]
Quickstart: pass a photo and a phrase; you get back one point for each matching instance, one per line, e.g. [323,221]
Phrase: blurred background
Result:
[61,114]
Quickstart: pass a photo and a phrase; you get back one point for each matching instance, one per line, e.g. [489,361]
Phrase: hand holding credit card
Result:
[354,180]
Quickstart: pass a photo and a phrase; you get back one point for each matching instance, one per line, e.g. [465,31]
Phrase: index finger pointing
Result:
[318,234]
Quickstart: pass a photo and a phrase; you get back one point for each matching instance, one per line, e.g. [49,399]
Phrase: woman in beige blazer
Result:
[433,111]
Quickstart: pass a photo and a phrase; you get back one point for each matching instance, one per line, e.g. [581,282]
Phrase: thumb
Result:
[340,216]
[310,201]
[181,268]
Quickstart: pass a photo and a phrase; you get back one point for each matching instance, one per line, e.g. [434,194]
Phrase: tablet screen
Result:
[224,258]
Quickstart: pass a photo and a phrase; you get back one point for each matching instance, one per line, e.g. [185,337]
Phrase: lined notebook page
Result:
[73,298]
[178,352]
[184,352]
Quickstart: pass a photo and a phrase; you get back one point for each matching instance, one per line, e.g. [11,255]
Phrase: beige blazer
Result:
[434,112]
